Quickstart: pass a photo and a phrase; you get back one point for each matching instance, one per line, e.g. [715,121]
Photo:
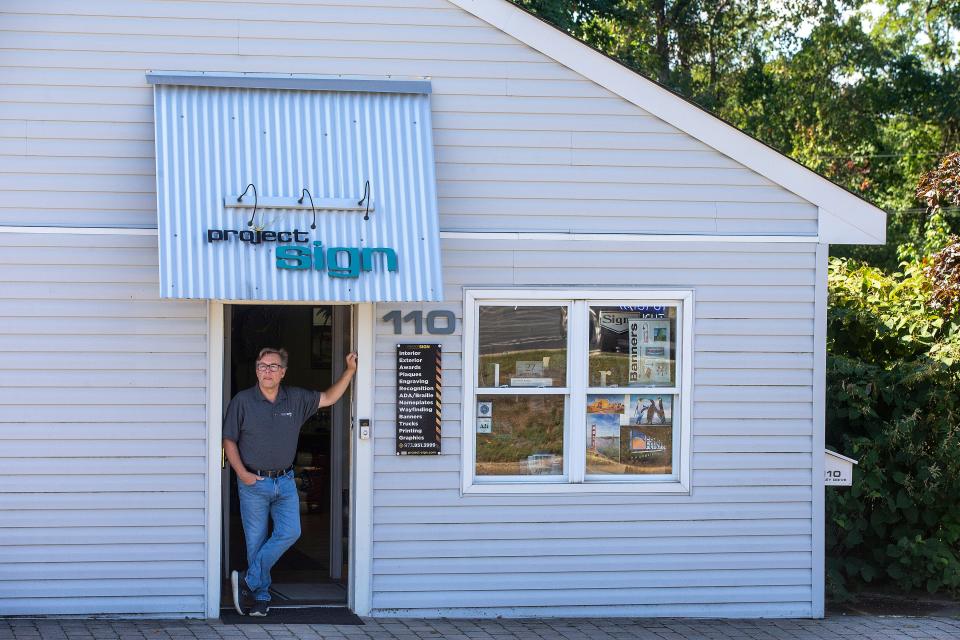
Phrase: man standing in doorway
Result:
[260,433]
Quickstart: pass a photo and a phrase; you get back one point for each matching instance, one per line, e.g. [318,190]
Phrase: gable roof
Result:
[844,218]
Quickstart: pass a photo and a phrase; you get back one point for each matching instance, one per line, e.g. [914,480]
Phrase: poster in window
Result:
[646,439]
[612,404]
[603,439]
[649,352]
[652,410]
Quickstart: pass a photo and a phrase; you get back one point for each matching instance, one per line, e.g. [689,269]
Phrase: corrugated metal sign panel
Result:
[212,142]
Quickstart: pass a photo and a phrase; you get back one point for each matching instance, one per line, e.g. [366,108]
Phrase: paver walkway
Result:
[843,627]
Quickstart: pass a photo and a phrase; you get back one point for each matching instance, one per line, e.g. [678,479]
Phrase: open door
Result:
[313,571]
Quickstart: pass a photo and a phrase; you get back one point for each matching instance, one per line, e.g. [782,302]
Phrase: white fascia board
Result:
[850,228]
[867,223]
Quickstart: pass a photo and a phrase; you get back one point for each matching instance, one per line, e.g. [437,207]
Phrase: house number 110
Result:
[447,326]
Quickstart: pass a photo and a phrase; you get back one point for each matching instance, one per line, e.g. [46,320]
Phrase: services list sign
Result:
[419,386]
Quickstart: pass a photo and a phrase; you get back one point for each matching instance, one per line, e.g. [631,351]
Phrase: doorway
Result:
[313,571]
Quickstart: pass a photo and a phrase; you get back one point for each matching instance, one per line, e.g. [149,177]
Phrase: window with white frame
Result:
[577,390]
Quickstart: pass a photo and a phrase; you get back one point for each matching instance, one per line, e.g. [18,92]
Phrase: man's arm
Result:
[233,456]
[335,392]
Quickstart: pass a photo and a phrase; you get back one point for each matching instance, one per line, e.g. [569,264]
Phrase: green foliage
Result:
[935,236]
[943,270]
[864,93]
[941,186]
[892,381]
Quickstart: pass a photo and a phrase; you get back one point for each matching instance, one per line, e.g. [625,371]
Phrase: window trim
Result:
[574,479]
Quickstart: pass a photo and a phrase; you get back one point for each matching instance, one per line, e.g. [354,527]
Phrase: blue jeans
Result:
[275,498]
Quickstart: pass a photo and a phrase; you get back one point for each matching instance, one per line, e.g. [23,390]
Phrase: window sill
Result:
[587,488]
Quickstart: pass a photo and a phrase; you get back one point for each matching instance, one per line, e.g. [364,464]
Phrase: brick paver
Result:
[842,627]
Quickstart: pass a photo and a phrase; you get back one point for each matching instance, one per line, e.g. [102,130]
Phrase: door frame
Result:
[361,472]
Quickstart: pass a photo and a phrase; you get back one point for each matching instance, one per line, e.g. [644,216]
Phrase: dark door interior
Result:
[313,571]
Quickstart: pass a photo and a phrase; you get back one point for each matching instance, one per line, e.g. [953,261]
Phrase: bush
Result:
[892,403]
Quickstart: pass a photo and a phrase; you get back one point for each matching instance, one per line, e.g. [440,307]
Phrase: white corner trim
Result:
[214,459]
[361,522]
[818,503]
[672,109]
[688,313]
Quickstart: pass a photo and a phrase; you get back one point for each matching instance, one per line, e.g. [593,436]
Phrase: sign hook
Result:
[366,196]
[300,201]
[256,199]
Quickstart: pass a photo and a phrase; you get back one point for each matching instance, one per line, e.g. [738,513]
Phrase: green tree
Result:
[893,375]
[864,93]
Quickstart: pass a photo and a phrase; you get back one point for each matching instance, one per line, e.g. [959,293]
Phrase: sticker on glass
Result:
[484,425]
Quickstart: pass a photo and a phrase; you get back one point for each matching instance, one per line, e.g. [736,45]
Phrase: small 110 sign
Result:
[439,322]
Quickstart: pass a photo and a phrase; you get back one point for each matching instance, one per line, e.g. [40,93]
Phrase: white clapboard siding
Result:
[611,563]
[102,432]
[52,555]
[522,143]
[145,568]
[547,596]
[116,377]
[742,541]
[131,604]
[603,580]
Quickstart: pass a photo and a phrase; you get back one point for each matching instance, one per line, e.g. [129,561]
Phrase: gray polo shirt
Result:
[267,432]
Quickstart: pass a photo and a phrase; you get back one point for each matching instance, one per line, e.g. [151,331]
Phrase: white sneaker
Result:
[241,594]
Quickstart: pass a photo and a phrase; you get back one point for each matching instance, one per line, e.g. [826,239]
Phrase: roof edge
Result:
[840,456]
[866,223]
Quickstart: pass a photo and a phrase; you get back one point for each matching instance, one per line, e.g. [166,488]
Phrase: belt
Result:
[270,473]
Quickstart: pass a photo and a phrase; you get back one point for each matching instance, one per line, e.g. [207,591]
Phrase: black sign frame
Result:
[419,399]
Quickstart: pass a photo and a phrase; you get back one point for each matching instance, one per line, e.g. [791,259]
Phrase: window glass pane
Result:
[523,347]
[519,435]
[630,434]
[633,346]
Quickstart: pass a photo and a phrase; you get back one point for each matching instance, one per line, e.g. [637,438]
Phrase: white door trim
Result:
[214,454]
[361,493]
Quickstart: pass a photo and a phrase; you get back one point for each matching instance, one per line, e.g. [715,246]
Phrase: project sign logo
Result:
[304,254]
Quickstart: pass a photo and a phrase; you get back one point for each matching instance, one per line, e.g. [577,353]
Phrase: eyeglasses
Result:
[272,368]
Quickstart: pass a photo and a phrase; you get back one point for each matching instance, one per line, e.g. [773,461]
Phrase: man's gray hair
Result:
[284,356]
